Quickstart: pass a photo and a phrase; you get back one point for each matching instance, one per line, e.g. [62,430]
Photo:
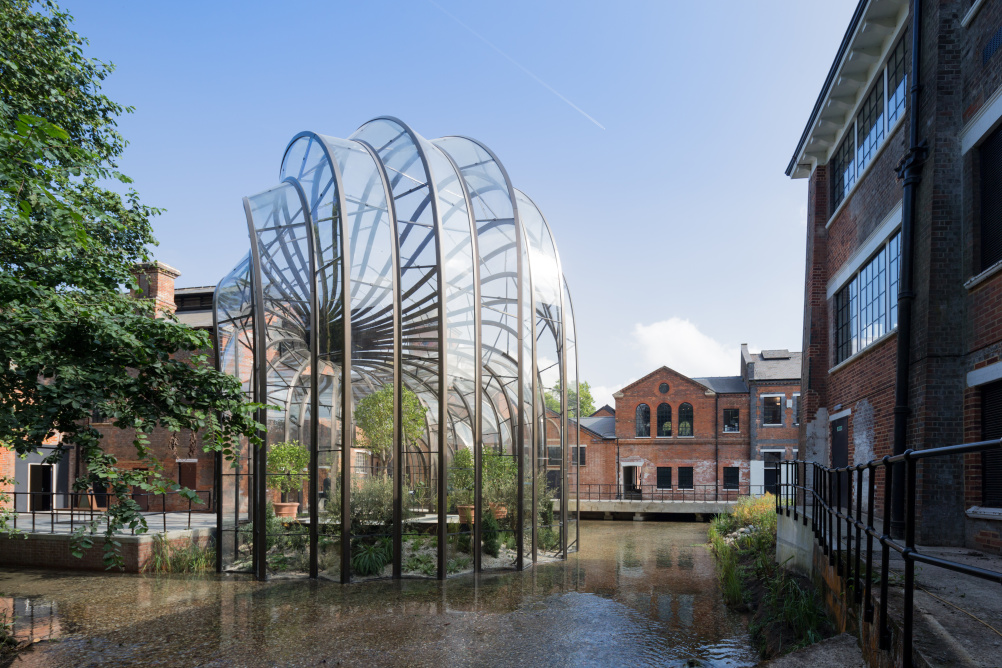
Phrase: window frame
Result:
[579,451]
[842,155]
[659,432]
[736,472]
[637,422]
[692,478]
[854,331]
[692,420]
[796,408]
[782,409]
[737,419]
[657,477]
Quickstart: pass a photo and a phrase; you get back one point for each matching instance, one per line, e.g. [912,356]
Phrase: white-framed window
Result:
[772,410]
[796,408]
[883,105]
[866,307]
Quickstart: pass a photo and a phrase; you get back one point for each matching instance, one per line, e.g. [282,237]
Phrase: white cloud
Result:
[679,344]
[602,394]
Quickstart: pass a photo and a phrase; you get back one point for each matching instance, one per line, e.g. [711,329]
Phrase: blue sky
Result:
[679,233]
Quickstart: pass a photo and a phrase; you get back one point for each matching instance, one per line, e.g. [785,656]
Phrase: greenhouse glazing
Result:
[403,314]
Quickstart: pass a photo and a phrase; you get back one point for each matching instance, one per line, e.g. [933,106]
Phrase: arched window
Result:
[664,420]
[685,420]
[643,421]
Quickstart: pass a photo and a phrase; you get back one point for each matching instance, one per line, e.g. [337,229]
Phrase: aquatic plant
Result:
[171,557]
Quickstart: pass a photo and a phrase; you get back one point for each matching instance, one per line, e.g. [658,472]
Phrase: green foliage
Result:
[371,503]
[67,246]
[369,558]
[500,479]
[421,563]
[457,564]
[287,462]
[460,478]
[552,400]
[374,416]
[168,557]
[489,534]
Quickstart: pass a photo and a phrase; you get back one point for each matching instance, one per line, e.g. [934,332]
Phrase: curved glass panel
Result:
[390,314]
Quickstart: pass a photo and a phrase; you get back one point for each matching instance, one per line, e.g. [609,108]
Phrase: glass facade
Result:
[403,316]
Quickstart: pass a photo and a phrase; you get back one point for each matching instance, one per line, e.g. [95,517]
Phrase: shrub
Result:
[489,533]
[168,557]
[287,462]
[368,558]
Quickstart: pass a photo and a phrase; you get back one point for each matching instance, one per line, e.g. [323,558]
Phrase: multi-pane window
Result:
[643,421]
[990,154]
[732,423]
[579,455]
[897,81]
[685,420]
[873,299]
[893,275]
[866,307]
[664,477]
[870,127]
[664,420]
[868,130]
[843,170]
[732,477]
[991,460]
[553,455]
[685,477]
[796,409]
[772,410]
[361,460]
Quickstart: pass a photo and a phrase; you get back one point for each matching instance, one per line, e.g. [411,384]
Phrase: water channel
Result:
[637,594]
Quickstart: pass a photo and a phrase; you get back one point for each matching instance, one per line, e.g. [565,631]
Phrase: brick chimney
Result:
[156,280]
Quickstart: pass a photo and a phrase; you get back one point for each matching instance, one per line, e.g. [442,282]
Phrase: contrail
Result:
[517,64]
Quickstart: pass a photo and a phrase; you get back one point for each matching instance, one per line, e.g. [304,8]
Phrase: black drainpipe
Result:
[910,171]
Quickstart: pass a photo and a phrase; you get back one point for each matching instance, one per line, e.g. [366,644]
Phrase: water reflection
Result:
[636,594]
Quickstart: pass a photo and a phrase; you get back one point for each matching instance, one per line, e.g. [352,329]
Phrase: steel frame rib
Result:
[337,285]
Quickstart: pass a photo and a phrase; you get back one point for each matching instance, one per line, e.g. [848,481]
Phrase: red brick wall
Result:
[6,471]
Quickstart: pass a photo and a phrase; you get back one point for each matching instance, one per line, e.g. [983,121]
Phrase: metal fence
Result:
[829,493]
[44,516]
[700,493]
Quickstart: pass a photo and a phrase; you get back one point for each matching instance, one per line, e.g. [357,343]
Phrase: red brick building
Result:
[868,144]
[701,438]
[180,454]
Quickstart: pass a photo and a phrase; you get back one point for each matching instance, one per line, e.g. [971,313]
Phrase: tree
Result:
[374,416]
[552,399]
[72,341]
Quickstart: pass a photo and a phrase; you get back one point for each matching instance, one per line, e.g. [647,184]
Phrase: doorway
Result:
[840,453]
[40,486]
[631,490]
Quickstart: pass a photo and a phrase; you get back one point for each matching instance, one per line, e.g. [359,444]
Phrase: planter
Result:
[465,514]
[286,509]
[500,512]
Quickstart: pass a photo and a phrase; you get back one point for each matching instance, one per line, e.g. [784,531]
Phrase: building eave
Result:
[863,47]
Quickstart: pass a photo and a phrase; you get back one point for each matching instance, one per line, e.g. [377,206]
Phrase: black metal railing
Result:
[41,512]
[701,493]
[830,496]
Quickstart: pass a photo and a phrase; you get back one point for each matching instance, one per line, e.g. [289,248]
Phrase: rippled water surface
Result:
[638,594]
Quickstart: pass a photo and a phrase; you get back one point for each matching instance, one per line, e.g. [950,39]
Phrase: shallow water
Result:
[638,594]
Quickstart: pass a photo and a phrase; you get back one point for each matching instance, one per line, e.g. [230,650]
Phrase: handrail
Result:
[84,507]
[830,512]
[648,492]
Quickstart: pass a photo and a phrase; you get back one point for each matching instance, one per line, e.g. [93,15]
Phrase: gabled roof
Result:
[659,370]
[604,426]
[607,408]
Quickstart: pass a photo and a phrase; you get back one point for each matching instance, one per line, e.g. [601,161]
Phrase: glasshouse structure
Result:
[403,316]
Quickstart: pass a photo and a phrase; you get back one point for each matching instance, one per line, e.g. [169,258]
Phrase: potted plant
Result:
[500,482]
[287,462]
